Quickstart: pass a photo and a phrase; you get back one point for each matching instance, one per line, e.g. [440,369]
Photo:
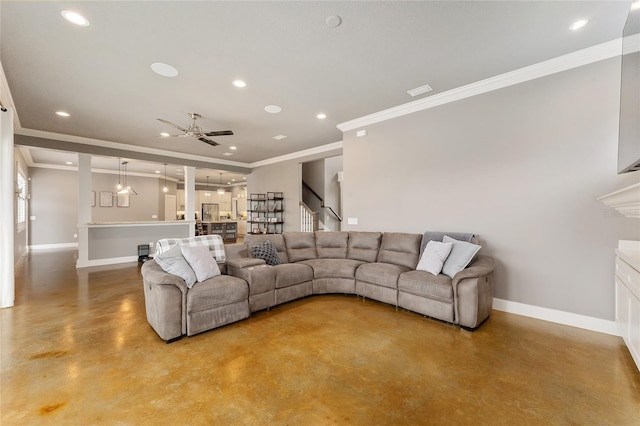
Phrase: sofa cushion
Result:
[400,249]
[462,253]
[300,246]
[289,274]
[331,245]
[277,241]
[173,262]
[215,292]
[333,268]
[363,246]
[201,262]
[382,274]
[422,283]
[433,258]
[266,252]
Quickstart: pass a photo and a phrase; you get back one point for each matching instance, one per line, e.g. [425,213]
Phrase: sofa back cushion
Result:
[276,240]
[213,242]
[331,245]
[400,249]
[300,246]
[364,246]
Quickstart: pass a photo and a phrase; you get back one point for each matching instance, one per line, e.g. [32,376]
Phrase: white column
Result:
[7,201]
[190,197]
[84,208]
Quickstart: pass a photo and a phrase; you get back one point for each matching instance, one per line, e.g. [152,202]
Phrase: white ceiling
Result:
[286,53]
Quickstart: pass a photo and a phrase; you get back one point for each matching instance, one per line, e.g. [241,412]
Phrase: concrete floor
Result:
[76,349]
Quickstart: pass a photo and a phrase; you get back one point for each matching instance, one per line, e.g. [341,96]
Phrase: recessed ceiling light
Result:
[321,116]
[63,114]
[165,134]
[578,24]
[233,147]
[228,183]
[635,5]
[333,21]
[244,177]
[273,109]
[239,83]
[157,171]
[163,69]
[75,18]
[233,180]
[279,137]
[420,90]
[228,153]
[68,162]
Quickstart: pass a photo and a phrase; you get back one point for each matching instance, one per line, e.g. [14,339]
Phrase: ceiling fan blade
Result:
[220,133]
[171,124]
[209,141]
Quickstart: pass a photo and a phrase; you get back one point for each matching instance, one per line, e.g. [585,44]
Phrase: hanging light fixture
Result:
[220,188]
[119,185]
[165,189]
[207,193]
[126,190]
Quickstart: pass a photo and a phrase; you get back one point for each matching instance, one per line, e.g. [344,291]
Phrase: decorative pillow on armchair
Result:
[462,253]
[434,256]
[173,262]
[201,261]
[266,252]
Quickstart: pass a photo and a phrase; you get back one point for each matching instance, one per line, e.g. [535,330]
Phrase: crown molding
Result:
[6,99]
[625,201]
[566,62]
[123,147]
[298,154]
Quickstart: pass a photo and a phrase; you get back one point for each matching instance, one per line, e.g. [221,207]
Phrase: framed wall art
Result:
[123,200]
[106,199]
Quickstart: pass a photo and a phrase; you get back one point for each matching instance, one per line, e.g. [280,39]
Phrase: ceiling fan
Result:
[195,131]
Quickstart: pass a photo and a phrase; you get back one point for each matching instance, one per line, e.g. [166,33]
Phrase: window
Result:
[21,210]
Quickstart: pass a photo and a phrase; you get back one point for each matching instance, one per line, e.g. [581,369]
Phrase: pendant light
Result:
[165,189]
[207,193]
[220,188]
[126,190]
[119,185]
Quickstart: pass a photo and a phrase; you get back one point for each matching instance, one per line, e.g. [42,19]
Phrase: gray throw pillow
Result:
[201,261]
[266,252]
[173,262]
[462,253]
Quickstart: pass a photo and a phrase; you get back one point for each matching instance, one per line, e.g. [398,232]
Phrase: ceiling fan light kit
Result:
[195,131]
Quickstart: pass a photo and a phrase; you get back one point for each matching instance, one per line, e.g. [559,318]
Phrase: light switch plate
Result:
[352,221]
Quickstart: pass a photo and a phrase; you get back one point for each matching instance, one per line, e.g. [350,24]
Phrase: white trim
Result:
[625,201]
[7,99]
[560,317]
[108,261]
[576,59]
[52,246]
[298,154]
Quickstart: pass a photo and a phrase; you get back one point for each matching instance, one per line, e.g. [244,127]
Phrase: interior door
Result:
[170,207]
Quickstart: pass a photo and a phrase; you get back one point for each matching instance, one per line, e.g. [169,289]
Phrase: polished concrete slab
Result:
[76,349]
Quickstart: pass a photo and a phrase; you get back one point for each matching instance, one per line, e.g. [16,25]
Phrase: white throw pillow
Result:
[462,253]
[173,262]
[201,261]
[434,256]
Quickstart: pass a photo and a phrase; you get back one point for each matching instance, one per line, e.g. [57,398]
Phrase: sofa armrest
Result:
[236,251]
[165,301]
[473,289]
[483,265]
[245,262]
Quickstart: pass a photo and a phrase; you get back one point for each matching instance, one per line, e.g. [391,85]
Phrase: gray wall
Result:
[522,168]
[54,203]
[141,207]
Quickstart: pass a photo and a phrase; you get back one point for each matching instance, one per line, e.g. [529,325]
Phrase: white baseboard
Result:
[560,317]
[109,261]
[52,246]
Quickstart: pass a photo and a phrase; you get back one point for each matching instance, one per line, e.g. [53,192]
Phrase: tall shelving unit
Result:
[265,213]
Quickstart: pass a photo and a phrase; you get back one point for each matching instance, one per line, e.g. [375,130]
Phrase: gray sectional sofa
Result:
[374,265]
